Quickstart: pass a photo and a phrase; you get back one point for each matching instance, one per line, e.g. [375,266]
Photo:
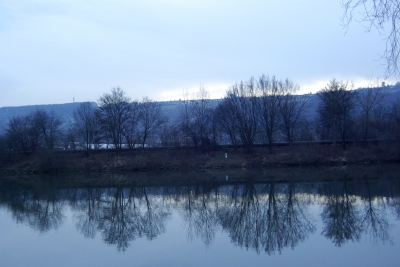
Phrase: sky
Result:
[60,51]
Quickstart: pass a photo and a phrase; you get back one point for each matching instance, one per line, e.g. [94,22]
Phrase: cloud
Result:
[216,91]
[57,49]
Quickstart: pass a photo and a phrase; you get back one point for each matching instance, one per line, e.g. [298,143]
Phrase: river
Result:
[326,216]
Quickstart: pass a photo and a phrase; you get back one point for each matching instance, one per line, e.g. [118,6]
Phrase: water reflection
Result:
[340,214]
[86,206]
[346,215]
[260,218]
[120,214]
[41,209]
[199,211]
[373,218]
[266,216]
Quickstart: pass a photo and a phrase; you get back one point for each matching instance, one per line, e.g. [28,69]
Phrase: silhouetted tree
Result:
[368,99]
[47,125]
[185,118]
[226,120]
[19,135]
[3,150]
[201,117]
[114,113]
[395,120]
[151,119]
[241,101]
[269,92]
[291,109]
[86,123]
[131,130]
[335,110]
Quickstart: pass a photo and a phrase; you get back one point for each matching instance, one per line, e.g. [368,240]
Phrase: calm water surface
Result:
[262,219]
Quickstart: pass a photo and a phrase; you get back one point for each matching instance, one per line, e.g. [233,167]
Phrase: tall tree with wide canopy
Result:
[114,113]
[335,109]
[268,91]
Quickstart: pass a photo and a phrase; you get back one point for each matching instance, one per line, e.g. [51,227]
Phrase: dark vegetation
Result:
[260,122]
[192,159]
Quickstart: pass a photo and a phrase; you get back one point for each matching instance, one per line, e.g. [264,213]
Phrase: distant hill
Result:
[391,94]
[169,108]
[62,110]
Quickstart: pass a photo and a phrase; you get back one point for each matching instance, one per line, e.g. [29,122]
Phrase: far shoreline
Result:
[143,160]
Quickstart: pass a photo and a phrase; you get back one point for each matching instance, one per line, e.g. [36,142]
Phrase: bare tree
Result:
[3,149]
[368,99]
[185,117]
[226,120]
[18,135]
[47,125]
[378,14]
[201,112]
[213,129]
[151,119]
[335,109]
[291,108]
[395,120]
[114,113]
[131,130]
[242,110]
[85,123]
[269,91]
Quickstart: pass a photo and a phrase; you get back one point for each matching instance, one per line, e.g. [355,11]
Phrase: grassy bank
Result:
[194,159]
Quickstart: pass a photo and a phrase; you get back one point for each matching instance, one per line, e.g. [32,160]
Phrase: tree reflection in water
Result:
[199,212]
[373,220]
[340,216]
[268,222]
[240,217]
[264,216]
[128,214]
[395,205]
[118,221]
[41,209]
[87,211]
[297,223]
[347,216]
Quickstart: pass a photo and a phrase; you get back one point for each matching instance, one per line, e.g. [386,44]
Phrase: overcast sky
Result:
[52,51]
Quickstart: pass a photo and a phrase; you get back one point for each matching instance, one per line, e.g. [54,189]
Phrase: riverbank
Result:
[196,159]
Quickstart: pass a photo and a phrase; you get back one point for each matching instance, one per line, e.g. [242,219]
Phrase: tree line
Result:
[263,110]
